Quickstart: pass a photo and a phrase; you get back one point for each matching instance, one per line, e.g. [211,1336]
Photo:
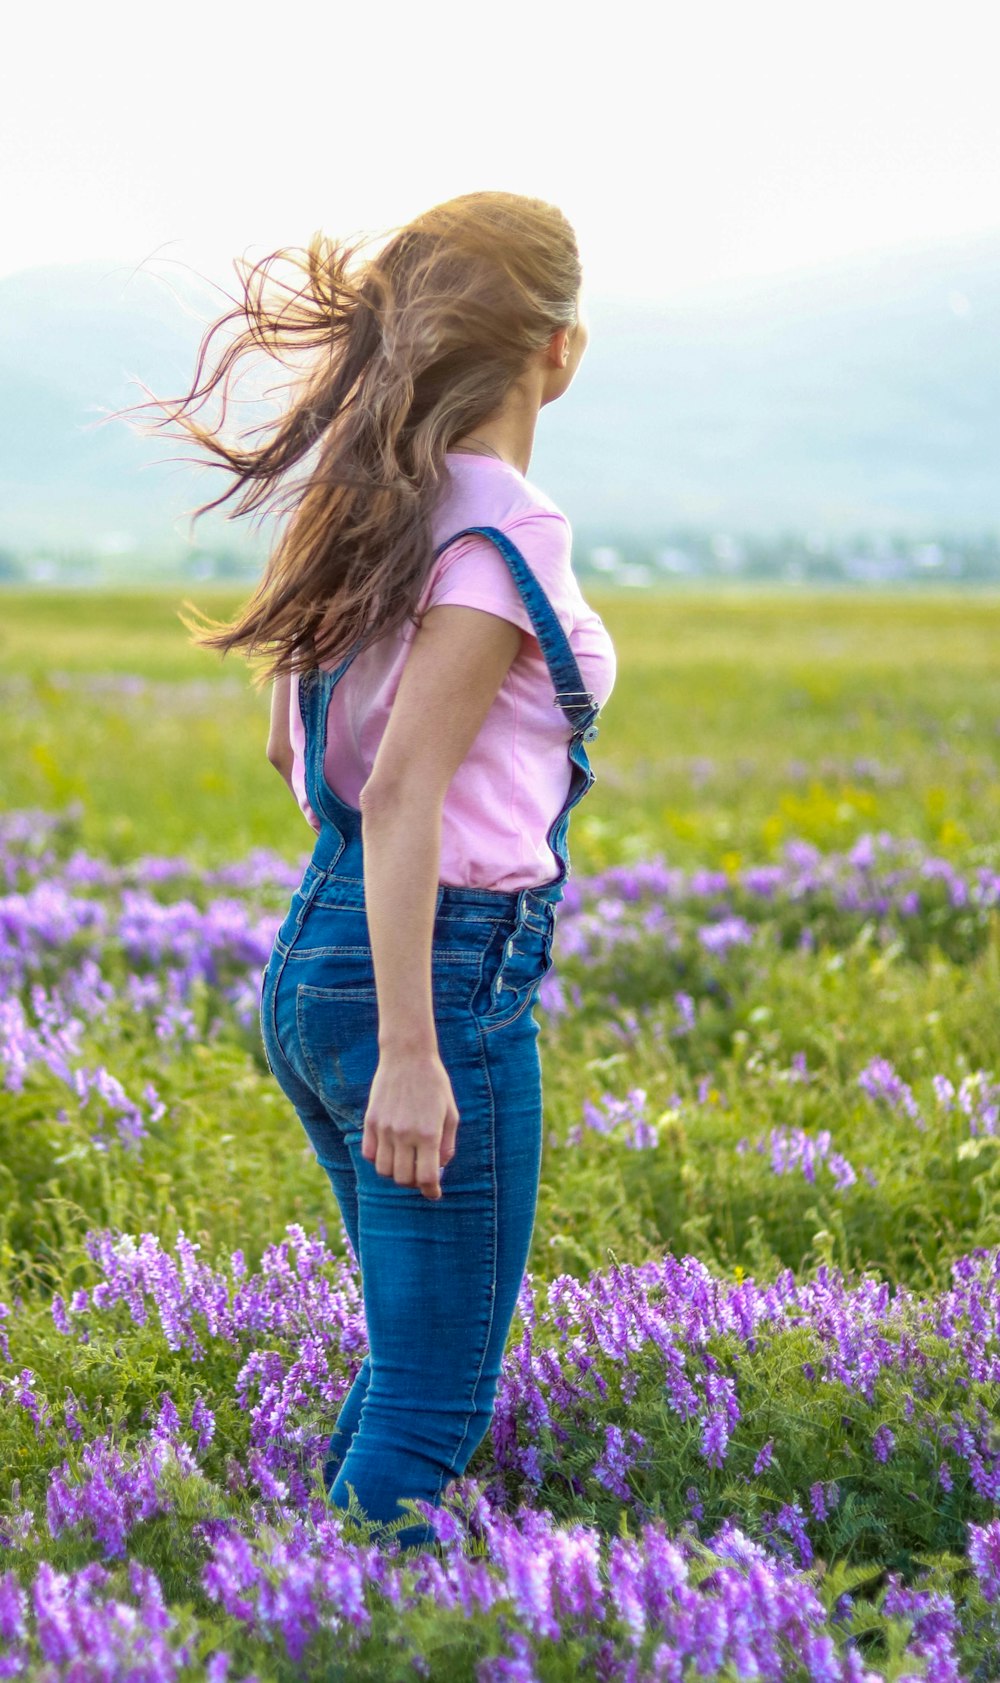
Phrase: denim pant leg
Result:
[441,1278]
[333,1156]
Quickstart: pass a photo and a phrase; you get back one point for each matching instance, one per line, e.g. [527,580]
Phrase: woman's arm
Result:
[457,662]
[279,742]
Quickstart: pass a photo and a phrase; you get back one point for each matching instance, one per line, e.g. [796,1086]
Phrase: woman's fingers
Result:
[411,1165]
[406,1163]
[377,1145]
[385,1152]
[447,1148]
[409,1152]
[427,1169]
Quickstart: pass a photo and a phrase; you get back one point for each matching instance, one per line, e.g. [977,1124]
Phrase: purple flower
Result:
[685,1008]
[611,1467]
[763,1459]
[880,1081]
[717,938]
[984,1556]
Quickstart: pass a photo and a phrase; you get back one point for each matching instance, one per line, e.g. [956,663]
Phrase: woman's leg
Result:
[347,1424]
[441,1278]
[328,1143]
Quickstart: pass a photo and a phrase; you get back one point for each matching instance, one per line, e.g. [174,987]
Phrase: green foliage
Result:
[737,724]
[737,720]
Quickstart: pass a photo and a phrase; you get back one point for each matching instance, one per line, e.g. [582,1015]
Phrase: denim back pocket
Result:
[331,972]
[338,1040]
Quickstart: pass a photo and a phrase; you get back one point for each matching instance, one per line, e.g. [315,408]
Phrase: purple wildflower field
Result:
[748,1420]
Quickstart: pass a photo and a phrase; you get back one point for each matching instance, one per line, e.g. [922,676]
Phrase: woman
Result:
[436,673]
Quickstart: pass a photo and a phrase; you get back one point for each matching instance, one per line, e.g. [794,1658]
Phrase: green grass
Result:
[738,722]
[820,715]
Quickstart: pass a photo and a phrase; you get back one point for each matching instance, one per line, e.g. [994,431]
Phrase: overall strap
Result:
[315,687]
[579,704]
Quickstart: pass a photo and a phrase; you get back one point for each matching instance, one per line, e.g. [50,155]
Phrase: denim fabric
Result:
[439,1278]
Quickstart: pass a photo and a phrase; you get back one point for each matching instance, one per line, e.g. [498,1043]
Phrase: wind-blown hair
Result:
[407,350]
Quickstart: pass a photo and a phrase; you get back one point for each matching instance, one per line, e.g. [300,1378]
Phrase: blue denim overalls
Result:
[439,1278]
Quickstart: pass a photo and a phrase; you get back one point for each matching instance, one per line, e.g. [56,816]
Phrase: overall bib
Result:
[439,1278]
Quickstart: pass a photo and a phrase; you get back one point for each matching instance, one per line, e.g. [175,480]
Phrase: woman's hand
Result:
[411,1120]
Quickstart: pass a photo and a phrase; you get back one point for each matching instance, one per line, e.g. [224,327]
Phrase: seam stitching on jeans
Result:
[488,1027]
[484,1063]
[274,1002]
[261,1017]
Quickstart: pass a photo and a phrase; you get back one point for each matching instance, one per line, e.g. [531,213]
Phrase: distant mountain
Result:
[862,395]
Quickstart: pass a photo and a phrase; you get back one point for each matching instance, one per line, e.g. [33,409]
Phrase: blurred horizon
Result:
[843,425]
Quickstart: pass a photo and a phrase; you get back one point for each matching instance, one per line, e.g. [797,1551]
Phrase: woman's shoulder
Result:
[472,570]
[496,494]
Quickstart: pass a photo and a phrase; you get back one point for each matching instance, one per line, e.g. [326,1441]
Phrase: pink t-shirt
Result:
[515,778]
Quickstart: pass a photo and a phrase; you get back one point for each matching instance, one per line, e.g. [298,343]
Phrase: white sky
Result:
[685,141]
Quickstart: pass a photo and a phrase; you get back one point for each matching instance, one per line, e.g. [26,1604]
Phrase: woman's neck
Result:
[511,435]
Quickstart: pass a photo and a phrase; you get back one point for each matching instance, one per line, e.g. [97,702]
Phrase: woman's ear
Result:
[559,347]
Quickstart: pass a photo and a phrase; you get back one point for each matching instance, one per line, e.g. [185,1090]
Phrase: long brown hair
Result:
[407,349]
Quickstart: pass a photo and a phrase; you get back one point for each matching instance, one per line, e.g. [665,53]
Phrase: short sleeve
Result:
[472,572]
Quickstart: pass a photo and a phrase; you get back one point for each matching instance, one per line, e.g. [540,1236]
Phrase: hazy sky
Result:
[685,142]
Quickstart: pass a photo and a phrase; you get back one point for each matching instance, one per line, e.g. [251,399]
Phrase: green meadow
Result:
[737,720]
[738,723]
[770,1049]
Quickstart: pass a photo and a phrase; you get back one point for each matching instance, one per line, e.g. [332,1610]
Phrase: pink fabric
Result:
[515,778]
